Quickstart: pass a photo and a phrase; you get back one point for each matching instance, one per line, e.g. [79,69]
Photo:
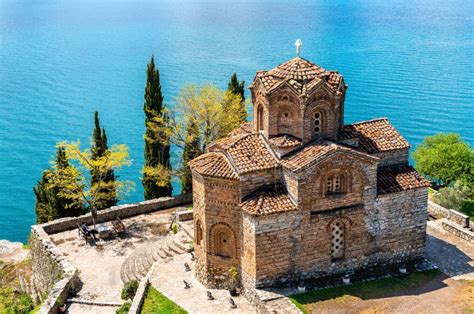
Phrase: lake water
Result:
[409,60]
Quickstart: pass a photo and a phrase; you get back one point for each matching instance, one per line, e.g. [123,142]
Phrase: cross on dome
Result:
[298,45]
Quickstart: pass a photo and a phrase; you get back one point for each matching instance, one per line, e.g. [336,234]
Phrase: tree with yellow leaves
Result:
[82,190]
[199,116]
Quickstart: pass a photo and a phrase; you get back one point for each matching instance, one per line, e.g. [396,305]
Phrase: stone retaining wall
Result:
[52,272]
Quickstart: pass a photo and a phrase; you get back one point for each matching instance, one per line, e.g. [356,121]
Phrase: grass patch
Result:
[363,290]
[155,302]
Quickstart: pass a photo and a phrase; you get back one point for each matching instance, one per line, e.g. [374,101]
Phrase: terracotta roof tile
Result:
[313,152]
[399,178]
[284,141]
[299,73]
[375,136]
[268,200]
[303,157]
[214,165]
[249,153]
[245,128]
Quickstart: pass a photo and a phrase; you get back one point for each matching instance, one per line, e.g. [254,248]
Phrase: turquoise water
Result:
[411,61]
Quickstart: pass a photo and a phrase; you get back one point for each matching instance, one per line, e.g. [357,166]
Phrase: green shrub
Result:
[124,308]
[175,228]
[467,208]
[14,302]
[129,290]
[452,197]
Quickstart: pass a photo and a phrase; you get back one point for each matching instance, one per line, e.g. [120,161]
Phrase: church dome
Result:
[299,73]
[298,69]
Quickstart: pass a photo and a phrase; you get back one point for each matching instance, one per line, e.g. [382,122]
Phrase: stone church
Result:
[299,194]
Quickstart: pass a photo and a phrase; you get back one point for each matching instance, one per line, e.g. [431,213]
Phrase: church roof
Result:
[285,141]
[300,74]
[394,179]
[268,200]
[374,136]
[313,152]
[250,153]
[246,152]
[214,165]
[298,69]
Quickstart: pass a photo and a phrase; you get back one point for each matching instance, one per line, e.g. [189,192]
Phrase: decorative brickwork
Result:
[298,195]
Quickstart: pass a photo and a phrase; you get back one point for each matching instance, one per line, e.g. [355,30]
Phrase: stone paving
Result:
[100,264]
[167,277]
[453,255]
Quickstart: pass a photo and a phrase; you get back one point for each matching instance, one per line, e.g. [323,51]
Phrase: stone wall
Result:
[52,272]
[217,248]
[395,157]
[387,230]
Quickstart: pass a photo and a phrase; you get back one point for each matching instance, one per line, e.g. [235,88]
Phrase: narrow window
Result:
[198,233]
[260,118]
[337,241]
[317,120]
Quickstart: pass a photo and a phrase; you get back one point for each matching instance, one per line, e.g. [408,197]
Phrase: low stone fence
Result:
[453,221]
[52,272]
[450,214]
[139,297]
[454,228]
[122,211]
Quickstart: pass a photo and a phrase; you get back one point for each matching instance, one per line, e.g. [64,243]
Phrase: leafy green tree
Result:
[191,150]
[50,204]
[99,149]
[237,88]
[445,158]
[156,178]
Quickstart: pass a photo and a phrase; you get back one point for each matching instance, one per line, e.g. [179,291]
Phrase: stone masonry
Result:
[297,194]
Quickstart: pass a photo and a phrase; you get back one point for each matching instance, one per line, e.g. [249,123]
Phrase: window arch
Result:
[198,232]
[335,184]
[338,240]
[317,124]
[260,118]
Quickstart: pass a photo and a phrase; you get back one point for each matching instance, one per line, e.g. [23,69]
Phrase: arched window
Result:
[198,232]
[318,124]
[260,118]
[338,240]
[335,184]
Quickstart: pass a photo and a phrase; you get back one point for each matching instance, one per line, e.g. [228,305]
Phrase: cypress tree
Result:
[50,204]
[157,147]
[237,88]
[99,149]
[191,151]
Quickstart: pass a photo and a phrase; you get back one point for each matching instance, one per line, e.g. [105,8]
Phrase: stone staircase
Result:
[137,264]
